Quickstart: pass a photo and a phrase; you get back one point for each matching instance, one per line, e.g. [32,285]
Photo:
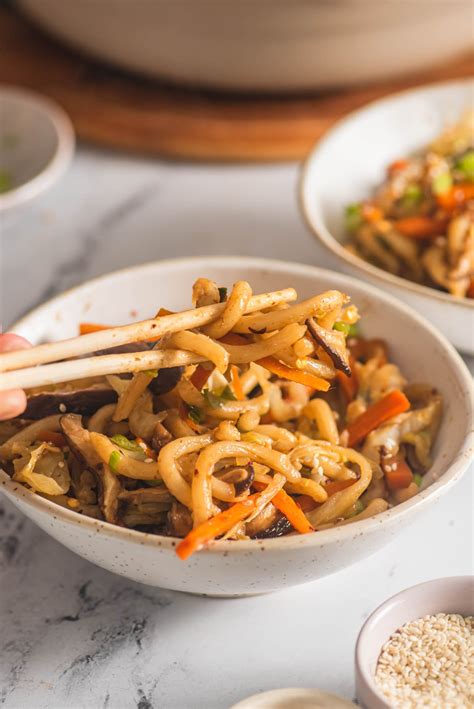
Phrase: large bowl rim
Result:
[318,227]
[338,534]
[58,161]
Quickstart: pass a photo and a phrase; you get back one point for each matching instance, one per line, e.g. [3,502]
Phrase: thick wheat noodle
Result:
[129,397]
[189,394]
[243,354]
[318,306]
[231,410]
[177,426]
[127,466]
[169,470]
[374,507]
[306,364]
[212,454]
[235,307]
[319,411]
[282,439]
[201,345]
[101,418]
[137,332]
[339,503]
[27,435]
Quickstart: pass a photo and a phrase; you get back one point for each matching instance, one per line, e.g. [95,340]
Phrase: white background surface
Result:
[75,636]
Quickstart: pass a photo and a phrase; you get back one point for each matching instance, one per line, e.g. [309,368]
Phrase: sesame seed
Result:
[62,408]
[429,662]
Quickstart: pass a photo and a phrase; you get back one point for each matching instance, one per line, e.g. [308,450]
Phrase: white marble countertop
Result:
[75,636]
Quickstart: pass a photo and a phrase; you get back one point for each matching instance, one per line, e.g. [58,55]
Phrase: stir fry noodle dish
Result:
[263,417]
[419,224]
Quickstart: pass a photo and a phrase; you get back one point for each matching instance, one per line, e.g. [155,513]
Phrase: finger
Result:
[10,342]
[12,403]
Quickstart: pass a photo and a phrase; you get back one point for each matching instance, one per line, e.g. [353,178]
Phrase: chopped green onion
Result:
[353,217]
[442,183]
[216,399]
[356,509]
[222,294]
[114,461]
[412,197]
[126,443]
[466,165]
[346,328]
[151,372]
[195,413]
[6,182]
[418,479]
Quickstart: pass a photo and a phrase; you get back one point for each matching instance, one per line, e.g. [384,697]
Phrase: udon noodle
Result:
[290,422]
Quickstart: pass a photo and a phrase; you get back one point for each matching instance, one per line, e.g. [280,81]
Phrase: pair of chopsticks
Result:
[44,364]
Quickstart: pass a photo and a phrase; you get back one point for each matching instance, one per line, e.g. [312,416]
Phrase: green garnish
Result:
[356,509]
[222,294]
[6,181]
[114,461]
[195,413]
[353,217]
[153,483]
[465,164]
[412,197]
[151,372]
[217,398]
[128,445]
[442,183]
[348,330]
[418,479]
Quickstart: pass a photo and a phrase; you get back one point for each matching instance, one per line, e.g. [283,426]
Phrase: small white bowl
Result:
[36,144]
[233,568]
[293,698]
[351,160]
[453,594]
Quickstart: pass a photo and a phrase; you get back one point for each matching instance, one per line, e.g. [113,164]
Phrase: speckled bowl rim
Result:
[58,161]
[452,474]
[318,227]
[363,673]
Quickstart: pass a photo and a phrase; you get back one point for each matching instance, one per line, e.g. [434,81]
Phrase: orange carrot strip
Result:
[391,405]
[470,290]
[200,376]
[349,385]
[164,311]
[294,375]
[333,486]
[399,478]
[236,383]
[371,213]
[54,437]
[216,526]
[419,227]
[288,507]
[397,165]
[87,327]
[457,195]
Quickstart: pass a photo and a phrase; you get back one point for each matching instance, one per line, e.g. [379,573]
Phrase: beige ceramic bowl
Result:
[351,160]
[453,594]
[264,45]
[249,567]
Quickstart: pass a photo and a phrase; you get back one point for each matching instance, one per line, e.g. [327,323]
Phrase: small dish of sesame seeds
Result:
[417,648]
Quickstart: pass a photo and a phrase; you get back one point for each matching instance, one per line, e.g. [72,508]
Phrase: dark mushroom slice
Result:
[80,401]
[109,485]
[161,437]
[269,523]
[333,343]
[148,494]
[180,521]
[240,478]
[166,380]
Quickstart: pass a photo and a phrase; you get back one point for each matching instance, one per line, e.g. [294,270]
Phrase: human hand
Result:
[13,401]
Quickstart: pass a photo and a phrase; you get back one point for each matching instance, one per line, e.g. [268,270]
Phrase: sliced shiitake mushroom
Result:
[333,343]
[166,380]
[180,521]
[80,401]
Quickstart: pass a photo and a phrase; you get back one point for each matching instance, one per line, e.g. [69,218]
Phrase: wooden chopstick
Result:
[73,369]
[137,332]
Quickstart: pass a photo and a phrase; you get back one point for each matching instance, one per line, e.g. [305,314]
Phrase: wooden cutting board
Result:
[118,110]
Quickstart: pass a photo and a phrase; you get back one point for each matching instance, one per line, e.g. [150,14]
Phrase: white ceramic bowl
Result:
[351,159]
[262,45]
[249,567]
[453,594]
[36,144]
